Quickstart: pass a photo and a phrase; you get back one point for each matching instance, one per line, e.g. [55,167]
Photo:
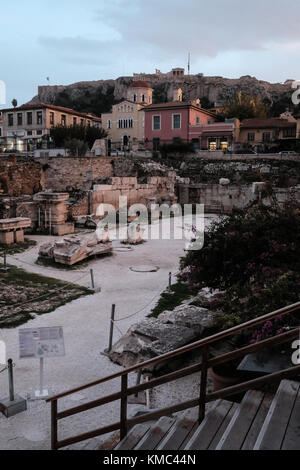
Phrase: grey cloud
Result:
[206,28]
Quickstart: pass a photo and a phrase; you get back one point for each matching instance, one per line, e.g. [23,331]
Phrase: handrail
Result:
[235,389]
[198,344]
[279,339]
[203,398]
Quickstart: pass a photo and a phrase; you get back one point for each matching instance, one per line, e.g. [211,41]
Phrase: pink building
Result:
[215,136]
[166,122]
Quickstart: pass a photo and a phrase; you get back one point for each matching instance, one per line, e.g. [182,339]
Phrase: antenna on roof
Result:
[189,63]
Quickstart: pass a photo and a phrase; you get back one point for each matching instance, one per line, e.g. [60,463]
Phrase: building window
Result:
[29,119]
[176,121]
[39,117]
[39,132]
[52,119]
[81,122]
[196,144]
[134,97]
[74,121]
[156,123]
[155,144]
[108,124]
[290,132]
[10,119]
[20,119]
[143,98]
[63,120]
[29,132]
[266,137]
[197,120]
[251,137]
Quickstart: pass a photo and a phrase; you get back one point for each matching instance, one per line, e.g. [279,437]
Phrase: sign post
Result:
[41,393]
[40,343]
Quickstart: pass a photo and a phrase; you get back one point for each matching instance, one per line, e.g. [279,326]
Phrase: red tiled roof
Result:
[266,123]
[25,107]
[139,84]
[177,104]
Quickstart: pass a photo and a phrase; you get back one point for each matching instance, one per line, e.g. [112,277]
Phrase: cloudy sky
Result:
[76,40]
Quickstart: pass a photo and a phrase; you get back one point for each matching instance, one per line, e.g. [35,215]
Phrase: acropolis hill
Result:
[98,96]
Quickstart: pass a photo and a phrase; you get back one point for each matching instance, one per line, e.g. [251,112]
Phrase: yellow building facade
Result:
[125,123]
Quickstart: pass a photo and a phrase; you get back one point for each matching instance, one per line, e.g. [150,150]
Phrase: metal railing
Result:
[202,367]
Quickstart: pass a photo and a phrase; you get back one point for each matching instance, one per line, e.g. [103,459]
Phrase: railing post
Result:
[203,384]
[54,425]
[111,331]
[124,397]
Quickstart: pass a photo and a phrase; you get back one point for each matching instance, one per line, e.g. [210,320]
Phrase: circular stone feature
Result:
[144,269]
[123,249]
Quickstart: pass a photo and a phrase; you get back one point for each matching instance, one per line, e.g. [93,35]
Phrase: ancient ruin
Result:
[12,230]
[73,249]
[52,212]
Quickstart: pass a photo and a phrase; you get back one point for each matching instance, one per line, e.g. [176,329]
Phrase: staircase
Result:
[260,422]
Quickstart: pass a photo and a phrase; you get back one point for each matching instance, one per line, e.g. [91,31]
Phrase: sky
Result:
[78,40]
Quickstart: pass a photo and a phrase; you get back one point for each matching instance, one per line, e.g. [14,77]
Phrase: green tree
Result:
[62,134]
[77,148]
[243,106]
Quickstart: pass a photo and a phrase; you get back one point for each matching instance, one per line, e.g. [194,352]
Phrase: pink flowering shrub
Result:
[254,256]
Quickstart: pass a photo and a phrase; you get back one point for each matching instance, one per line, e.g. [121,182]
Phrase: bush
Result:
[177,147]
[254,255]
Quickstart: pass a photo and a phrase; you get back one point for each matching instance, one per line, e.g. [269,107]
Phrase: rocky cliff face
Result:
[84,95]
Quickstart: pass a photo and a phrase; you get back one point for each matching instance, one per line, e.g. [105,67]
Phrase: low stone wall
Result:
[157,187]
[66,173]
[219,155]
[222,199]
[20,178]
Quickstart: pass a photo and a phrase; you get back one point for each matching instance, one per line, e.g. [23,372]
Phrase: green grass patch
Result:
[172,298]
[17,247]
[41,295]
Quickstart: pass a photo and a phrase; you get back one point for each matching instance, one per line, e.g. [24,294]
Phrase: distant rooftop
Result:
[28,107]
